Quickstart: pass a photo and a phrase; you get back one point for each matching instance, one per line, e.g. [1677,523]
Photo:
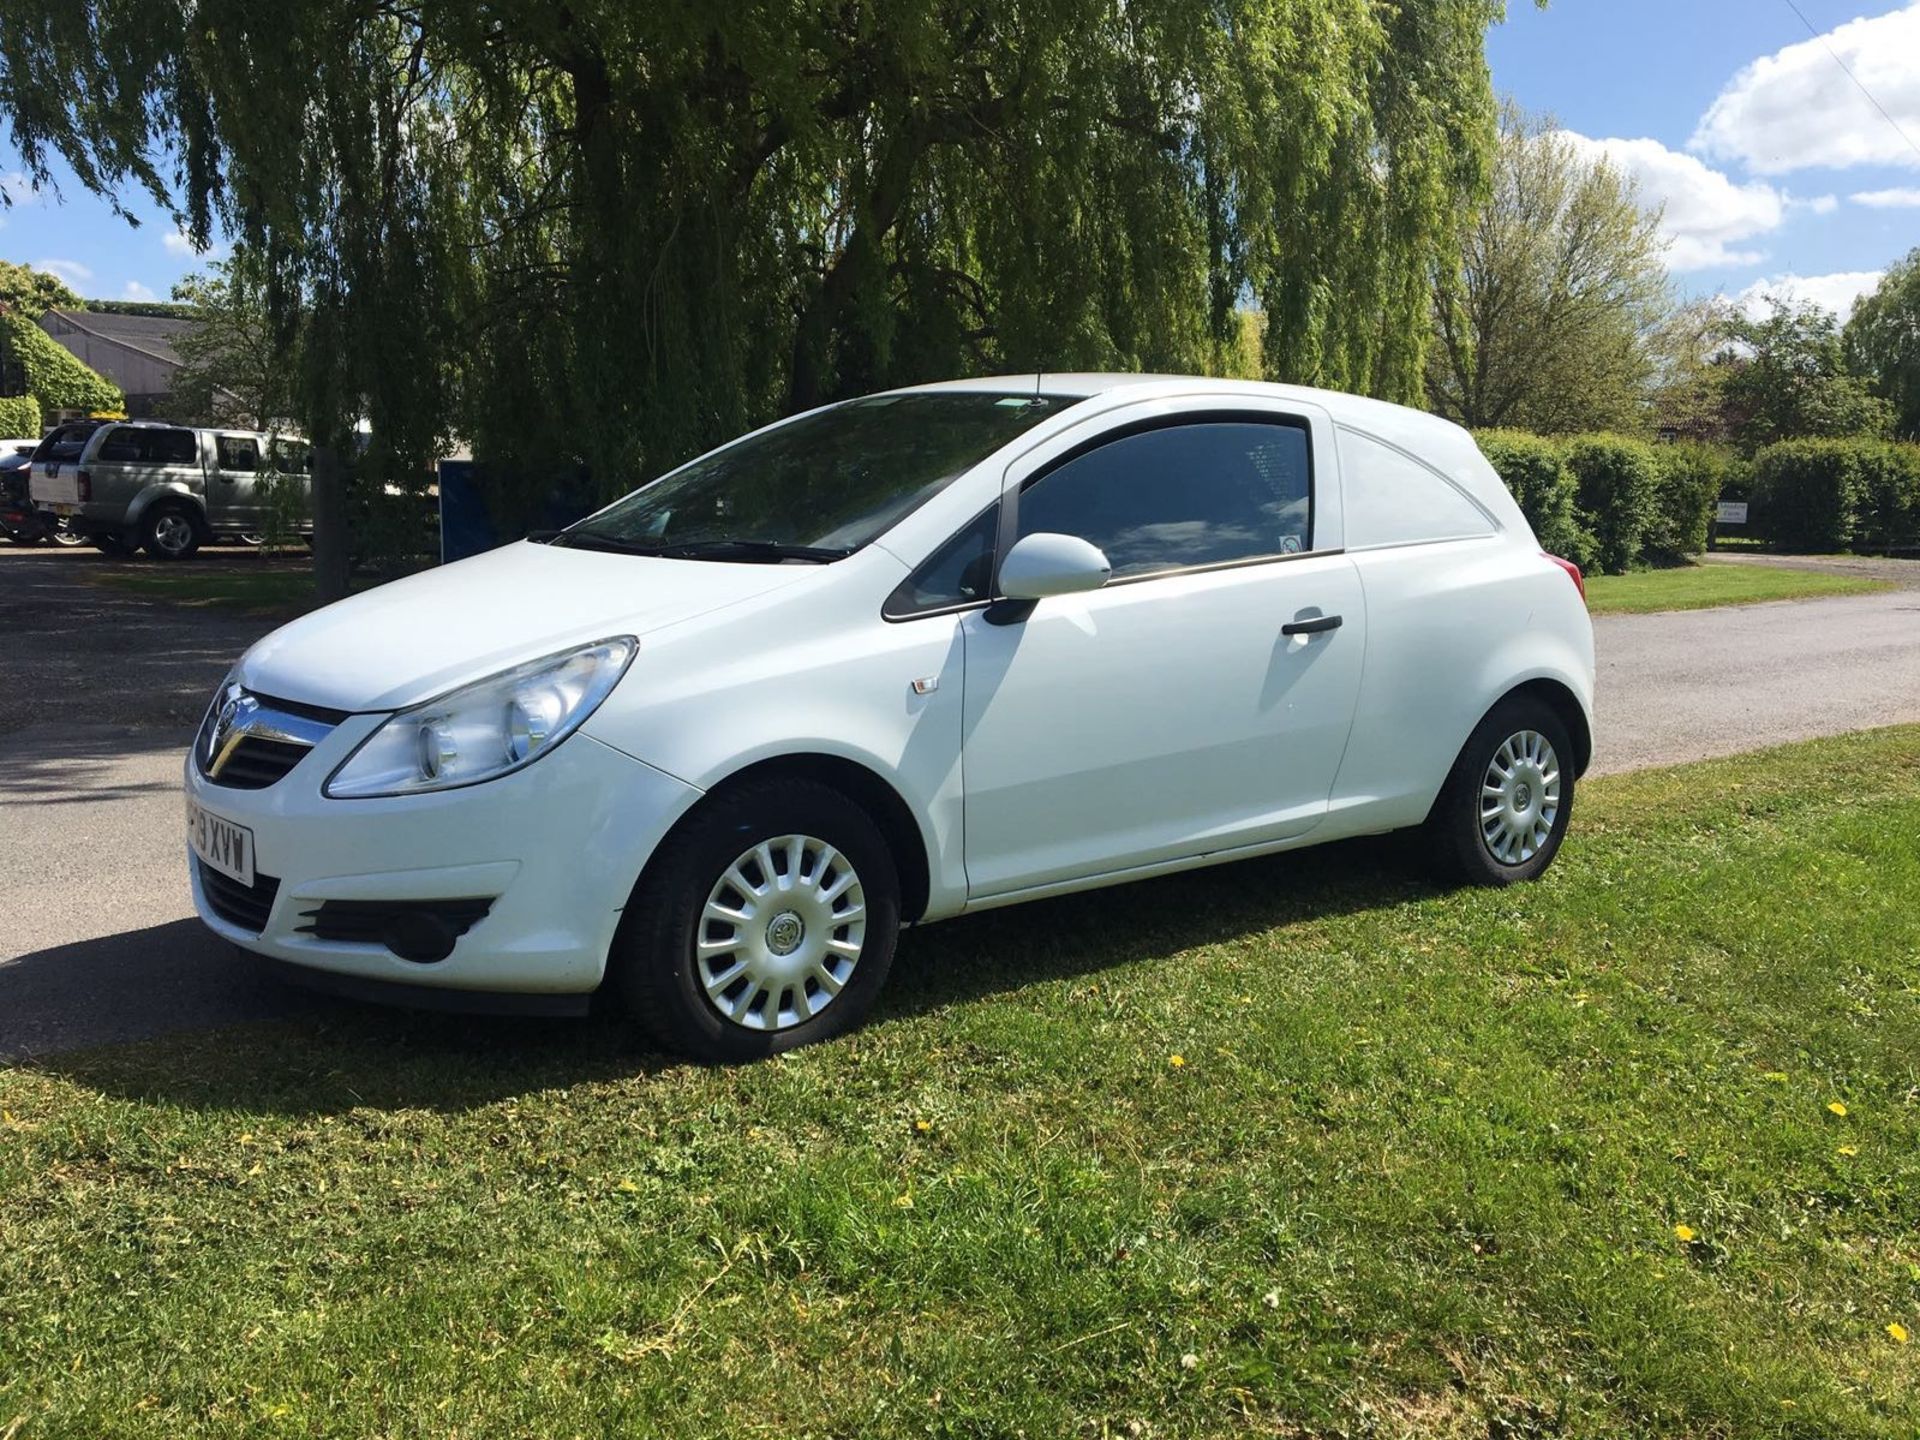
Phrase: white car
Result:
[884,663]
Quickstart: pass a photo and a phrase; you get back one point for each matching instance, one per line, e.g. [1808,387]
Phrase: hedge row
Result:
[19,417]
[1835,494]
[1607,501]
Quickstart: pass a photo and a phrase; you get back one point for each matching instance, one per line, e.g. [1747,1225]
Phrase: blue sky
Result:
[1775,171]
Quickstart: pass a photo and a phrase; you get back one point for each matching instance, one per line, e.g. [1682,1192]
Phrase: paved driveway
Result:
[99,694]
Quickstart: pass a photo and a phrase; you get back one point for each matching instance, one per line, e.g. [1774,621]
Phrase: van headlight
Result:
[484,730]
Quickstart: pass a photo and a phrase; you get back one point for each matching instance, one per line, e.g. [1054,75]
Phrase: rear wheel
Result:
[171,532]
[1503,812]
[63,534]
[766,921]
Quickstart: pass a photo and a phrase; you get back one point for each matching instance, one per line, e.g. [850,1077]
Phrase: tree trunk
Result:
[332,559]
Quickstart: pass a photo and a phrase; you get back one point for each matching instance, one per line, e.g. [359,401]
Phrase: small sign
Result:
[1731,512]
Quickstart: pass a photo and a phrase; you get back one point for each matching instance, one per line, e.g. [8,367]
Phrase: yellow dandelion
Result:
[1177,1061]
[1683,1233]
[923,1126]
[905,1202]
[1836,1107]
[1849,1150]
[1898,1332]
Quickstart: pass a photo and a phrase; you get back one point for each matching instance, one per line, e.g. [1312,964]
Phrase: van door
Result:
[233,498]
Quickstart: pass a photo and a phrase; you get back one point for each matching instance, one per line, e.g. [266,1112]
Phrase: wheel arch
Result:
[1566,706]
[179,496]
[868,789]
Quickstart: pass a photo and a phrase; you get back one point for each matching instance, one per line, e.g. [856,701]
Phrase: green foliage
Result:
[34,292]
[1618,484]
[1690,477]
[671,221]
[1784,376]
[235,369]
[54,377]
[1535,470]
[19,416]
[1807,493]
[1553,322]
[1883,342]
[1834,494]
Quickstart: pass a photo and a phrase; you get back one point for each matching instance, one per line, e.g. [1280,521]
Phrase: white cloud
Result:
[1705,214]
[71,271]
[1896,199]
[136,291]
[1796,109]
[1821,204]
[179,243]
[1833,292]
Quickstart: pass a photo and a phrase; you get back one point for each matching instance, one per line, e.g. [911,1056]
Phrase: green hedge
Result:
[19,417]
[1617,496]
[1833,494]
[1691,479]
[1535,470]
[54,377]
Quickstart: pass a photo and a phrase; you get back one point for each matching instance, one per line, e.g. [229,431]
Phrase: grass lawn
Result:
[257,589]
[1698,587]
[1303,1146]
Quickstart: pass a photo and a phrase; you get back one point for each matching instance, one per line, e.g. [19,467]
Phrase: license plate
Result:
[221,844]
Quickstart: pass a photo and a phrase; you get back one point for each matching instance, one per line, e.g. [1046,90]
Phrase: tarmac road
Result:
[100,692]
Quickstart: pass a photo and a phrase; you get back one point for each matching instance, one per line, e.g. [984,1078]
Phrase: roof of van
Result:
[1357,409]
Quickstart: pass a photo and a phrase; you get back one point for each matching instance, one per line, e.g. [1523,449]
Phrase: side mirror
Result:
[1041,565]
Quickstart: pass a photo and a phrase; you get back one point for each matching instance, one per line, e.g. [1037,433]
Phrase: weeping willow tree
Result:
[614,233]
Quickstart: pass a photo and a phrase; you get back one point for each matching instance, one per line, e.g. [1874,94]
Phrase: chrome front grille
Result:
[249,741]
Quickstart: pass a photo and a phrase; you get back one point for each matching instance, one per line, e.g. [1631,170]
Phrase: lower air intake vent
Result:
[244,906]
[422,930]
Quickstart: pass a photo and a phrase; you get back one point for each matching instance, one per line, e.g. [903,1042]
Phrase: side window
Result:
[1391,500]
[958,573]
[237,452]
[120,443]
[1182,495]
[290,457]
[173,447]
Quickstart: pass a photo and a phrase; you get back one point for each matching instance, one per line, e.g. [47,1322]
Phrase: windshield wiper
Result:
[762,550]
[595,540]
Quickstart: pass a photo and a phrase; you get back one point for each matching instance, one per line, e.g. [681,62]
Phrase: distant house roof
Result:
[149,335]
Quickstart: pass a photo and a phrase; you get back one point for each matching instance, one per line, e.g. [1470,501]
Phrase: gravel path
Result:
[100,691]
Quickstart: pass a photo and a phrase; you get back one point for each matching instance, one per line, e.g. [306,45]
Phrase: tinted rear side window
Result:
[149,445]
[1205,493]
[1394,500]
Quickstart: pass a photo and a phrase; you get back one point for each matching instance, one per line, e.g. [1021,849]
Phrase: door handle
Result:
[1311,627]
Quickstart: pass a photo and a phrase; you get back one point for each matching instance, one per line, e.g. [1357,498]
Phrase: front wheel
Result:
[1504,809]
[171,533]
[767,921]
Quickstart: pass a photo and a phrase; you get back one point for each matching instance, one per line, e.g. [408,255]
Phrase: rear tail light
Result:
[1573,574]
[83,485]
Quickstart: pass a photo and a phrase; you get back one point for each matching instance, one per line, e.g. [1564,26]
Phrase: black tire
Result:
[171,531]
[654,967]
[65,536]
[1455,824]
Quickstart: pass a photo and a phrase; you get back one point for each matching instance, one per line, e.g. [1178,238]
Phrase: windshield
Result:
[820,487]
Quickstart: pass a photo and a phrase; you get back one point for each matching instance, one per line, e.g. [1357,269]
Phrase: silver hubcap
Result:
[780,933]
[1519,797]
[173,532]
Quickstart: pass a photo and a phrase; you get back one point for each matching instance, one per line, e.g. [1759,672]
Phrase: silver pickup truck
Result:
[124,484]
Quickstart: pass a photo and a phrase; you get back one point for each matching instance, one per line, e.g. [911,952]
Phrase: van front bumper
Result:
[531,871]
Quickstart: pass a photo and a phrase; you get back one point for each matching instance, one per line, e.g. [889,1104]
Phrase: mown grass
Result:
[1303,1146]
[269,590]
[1700,587]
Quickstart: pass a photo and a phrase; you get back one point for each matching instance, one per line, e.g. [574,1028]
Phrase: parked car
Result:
[21,521]
[169,488]
[895,660]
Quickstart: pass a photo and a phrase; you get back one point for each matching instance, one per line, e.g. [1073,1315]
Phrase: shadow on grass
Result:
[321,1055]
